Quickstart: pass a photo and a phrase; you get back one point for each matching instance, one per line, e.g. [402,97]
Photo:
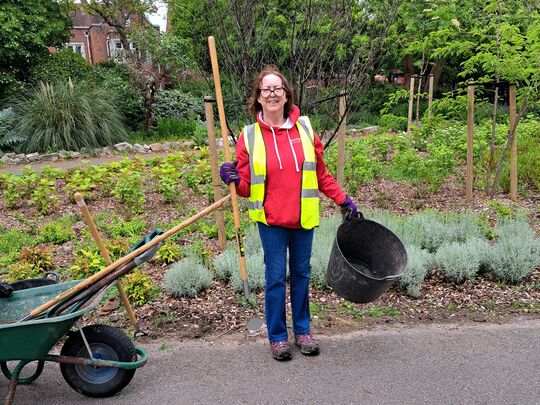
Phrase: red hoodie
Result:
[284,172]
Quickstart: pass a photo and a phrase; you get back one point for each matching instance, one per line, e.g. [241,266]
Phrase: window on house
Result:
[77,48]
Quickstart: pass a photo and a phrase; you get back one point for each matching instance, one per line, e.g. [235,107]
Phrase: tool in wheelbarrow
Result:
[255,323]
[50,277]
[120,262]
[365,260]
[97,360]
[105,253]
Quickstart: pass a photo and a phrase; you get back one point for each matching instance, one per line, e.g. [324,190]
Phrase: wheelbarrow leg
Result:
[13,381]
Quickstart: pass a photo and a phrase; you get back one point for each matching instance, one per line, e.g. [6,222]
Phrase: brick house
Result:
[95,40]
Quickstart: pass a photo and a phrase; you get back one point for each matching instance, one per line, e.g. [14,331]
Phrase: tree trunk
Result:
[436,71]
[408,70]
[149,94]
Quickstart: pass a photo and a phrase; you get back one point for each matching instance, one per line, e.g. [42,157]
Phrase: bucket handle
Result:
[345,213]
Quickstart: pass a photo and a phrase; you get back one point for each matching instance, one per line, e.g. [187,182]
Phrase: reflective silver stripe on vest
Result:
[306,129]
[310,193]
[255,205]
[250,134]
[309,166]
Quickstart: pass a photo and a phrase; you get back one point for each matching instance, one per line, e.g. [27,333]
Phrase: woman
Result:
[281,169]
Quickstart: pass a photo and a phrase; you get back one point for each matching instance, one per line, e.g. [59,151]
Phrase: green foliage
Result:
[175,104]
[225,263]
[120,228]
[45,196]
[8,138]
[170,252]
[86,263]
[57,232]
[256,268]
[27,29]
[62,66]
[66,115]
[129,190]
[187,278]
[116,80]
[139,288]
[33,262]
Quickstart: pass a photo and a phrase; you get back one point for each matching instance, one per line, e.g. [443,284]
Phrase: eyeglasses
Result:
[278,92]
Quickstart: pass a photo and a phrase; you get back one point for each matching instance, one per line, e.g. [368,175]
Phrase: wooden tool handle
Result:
[227,151]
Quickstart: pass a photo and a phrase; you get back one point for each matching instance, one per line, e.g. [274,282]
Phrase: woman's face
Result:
[272,103]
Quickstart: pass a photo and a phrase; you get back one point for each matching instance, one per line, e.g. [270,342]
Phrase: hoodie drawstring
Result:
[293,152]
[275,147]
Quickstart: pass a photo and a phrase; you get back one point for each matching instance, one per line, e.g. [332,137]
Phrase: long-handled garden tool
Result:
[105,253]
[255,323]
[93,279]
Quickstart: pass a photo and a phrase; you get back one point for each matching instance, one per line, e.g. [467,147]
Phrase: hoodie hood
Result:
[291,120]
[288,124]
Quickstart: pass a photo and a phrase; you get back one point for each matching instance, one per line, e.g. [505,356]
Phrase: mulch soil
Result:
[219,310]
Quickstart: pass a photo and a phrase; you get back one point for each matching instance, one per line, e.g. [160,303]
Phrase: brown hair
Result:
[253,104]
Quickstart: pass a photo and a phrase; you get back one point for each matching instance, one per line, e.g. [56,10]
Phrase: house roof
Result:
[82,19]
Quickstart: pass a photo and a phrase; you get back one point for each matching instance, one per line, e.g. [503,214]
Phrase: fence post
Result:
[212,152]
[430,95]
[411,102]
[341,143]
[470,133]
[513,143]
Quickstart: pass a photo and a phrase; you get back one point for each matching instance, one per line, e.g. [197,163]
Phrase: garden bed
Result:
[220,309]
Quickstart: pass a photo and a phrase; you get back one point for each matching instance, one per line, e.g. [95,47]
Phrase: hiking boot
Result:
[281,350]
[307,344]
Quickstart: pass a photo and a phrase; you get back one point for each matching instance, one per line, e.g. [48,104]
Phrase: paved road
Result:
[436,364]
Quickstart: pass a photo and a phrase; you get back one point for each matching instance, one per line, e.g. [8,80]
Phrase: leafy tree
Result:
[27,29]
[154,56]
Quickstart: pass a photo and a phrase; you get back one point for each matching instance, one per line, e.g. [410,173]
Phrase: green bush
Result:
[86,263]
[323,239]
[8,138]
[174,103]
[11,243]
[65,115]
[187,277]
[56,232]
[225,263]
[62,66]
[115,80]
[139,288]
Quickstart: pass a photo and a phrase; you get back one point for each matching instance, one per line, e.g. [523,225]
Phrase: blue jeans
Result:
[275,241]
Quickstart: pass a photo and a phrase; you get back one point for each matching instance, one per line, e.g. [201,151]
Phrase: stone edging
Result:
[119,148]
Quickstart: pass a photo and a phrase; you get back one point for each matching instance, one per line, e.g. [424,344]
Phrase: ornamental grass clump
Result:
[66,115]
[187,277]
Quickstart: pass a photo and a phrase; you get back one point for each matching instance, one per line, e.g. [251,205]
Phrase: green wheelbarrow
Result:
[95,360]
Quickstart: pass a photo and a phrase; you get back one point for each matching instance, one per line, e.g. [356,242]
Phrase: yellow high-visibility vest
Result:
[309,198]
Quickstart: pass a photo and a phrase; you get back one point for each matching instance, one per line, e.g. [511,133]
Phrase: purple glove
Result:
[348,208]
[228,172]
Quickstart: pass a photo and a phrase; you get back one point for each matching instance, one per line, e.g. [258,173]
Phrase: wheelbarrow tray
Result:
[33,339]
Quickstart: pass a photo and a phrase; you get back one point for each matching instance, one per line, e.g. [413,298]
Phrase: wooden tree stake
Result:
[212,151]
[513,143]
[470,133]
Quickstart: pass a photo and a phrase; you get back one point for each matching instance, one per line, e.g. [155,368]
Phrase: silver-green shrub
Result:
[323,240]
[418,266]
[255,271]
[459,261]
[516,253]
[225,263]
[186,278]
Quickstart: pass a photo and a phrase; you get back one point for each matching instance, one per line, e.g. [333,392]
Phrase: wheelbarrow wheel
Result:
[106,343]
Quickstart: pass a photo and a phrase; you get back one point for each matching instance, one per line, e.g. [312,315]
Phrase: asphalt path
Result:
[435,364]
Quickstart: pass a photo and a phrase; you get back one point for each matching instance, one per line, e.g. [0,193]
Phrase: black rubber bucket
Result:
[50,277]
[366,259]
